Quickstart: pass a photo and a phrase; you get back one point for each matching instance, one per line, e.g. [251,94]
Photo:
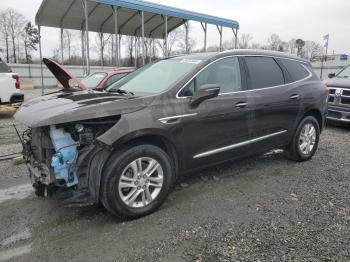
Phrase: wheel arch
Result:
[316,114]
[153,137]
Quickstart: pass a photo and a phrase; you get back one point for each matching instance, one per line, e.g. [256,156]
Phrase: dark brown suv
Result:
[125,148]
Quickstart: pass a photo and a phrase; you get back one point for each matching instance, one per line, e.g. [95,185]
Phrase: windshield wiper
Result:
[122,91]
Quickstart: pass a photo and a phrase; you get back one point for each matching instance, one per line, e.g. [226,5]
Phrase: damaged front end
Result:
[59,157]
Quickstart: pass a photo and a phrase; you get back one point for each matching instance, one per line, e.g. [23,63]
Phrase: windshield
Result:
[93,80]
[156,77]
[345,72]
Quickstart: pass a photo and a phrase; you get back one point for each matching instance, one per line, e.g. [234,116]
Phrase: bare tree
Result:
[181,43]
[292,45]
[16,23]
[255,46]
[244,40]
[174,39]
[274,42]
[103,40]
[312,50]
[67,42]
[129,42]
[5,32]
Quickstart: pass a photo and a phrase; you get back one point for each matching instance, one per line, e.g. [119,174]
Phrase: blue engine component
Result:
[64,162]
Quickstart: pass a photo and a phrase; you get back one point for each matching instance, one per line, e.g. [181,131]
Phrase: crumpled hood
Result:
[338,82]
[64,107]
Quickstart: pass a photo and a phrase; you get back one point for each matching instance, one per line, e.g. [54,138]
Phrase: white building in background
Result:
[333,64]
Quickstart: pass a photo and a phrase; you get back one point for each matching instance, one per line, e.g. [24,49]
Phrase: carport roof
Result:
[69,14]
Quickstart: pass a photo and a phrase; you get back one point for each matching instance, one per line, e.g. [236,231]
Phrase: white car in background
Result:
[10,87]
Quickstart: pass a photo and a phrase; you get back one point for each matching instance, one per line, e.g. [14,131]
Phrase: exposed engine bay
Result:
[57,155]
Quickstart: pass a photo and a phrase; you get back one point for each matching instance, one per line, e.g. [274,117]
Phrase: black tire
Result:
[110,197]
[293,150]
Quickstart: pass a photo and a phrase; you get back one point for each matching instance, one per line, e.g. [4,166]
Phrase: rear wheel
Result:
[137,181]
[305,140]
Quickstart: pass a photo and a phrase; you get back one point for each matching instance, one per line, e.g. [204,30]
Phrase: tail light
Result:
[18,84]
[327,90]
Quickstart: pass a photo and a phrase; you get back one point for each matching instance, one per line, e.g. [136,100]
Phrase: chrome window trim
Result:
[233,146]
[164,120]
[244,91]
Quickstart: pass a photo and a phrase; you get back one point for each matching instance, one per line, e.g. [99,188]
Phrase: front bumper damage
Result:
[64,167]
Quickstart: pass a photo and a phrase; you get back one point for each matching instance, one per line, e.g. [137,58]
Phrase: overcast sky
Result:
[305,19]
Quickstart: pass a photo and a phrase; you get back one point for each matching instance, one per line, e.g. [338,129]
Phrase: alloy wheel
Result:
[307,139]
[141,182]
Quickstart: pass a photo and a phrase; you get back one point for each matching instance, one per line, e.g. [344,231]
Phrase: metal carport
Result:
[123,17]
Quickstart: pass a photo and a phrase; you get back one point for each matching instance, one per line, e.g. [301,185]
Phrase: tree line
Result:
[19,37]
[310,50]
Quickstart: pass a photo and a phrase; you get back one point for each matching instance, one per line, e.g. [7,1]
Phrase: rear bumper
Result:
[338,114]
[17,98]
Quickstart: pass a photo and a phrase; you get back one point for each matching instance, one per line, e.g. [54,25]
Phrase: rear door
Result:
[221,122]
[276,101]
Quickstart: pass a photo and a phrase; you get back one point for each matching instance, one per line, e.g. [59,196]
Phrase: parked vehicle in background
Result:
[96,81]
[339,96]
[100,80]
[10,87]
[126,147]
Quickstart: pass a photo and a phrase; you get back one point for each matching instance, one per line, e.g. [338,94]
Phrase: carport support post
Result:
[41,61]
[135,52]
[186,40]
[61,45]
[220,32]
[116,30]
[83,50]
[143,37]
[87,37]
[235,32]
[166,37]
[205,36]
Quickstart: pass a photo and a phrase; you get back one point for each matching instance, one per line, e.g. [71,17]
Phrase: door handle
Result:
[294,97]
[241,104]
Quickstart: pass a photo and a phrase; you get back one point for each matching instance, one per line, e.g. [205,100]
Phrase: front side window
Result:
[225,73]
[263,72]
[345,72]
[155,78]
[93,80]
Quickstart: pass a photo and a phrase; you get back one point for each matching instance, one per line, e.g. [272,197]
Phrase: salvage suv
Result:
[339,97]
[127,146]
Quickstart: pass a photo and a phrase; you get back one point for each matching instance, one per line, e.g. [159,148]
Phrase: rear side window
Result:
[264,72]
[4,68]
[295,69]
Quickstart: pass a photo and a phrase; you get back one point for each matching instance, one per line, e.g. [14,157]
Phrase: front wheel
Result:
[305,140]
[137,181]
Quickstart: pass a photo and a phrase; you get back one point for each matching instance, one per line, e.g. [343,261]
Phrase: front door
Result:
[220,123]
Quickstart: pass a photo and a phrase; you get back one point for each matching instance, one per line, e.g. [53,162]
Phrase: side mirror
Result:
[203,93]
[331,75]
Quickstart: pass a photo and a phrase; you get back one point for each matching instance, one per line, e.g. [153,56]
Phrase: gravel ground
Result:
[264,208]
